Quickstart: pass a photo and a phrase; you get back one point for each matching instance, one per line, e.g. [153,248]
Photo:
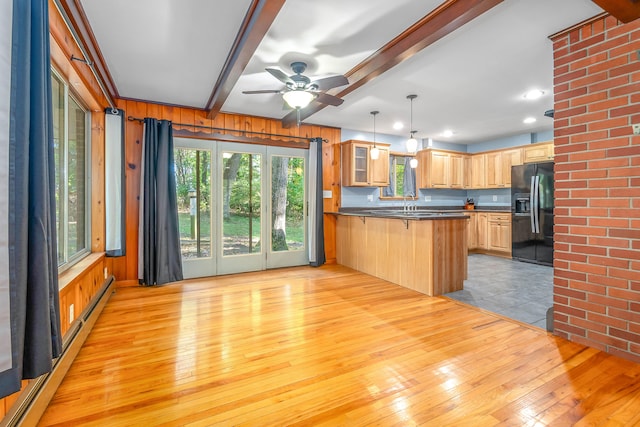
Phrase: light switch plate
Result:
[427,198]
[326,194]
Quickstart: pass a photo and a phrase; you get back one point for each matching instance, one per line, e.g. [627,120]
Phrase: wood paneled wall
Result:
[79,285]
[125,268]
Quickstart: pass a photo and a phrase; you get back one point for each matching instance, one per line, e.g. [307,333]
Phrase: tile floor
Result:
[519,290]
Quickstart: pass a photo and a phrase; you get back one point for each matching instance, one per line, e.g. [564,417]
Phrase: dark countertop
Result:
[420,214]
[430,209]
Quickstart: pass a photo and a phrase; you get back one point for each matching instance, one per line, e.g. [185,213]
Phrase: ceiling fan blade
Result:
[251,92]
[280,76]
[330,82]
[325,98]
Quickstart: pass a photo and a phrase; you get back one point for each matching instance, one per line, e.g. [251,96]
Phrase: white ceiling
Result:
[471,81]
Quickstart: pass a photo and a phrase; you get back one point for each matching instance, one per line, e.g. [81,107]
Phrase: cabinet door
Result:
[493,170]
[466,182]
[439,171]
[360,165]
[499,236]
[542,152]
[482,231]
[472,230]
[510,158]
[456,171]
[380,169]
[477,171]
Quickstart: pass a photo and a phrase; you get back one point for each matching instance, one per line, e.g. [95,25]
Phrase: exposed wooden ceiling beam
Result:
[445,19]
[624,10]
[74,11]
[256,23]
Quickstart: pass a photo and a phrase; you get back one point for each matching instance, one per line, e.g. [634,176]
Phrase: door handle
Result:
[536,207]
[531,204]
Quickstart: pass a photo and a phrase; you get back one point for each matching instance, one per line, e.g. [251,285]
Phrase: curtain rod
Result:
[77,40]
[211,128]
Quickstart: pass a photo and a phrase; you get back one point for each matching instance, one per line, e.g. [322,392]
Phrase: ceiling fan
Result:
[300,90]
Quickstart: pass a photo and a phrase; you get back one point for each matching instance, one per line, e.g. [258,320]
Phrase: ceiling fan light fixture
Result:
[298,98]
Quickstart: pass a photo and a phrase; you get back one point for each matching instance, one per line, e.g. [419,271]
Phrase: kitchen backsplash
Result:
[354,197]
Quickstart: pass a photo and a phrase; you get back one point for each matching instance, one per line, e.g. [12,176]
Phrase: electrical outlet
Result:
[370,197]
[427,198]
[636,129]
[495,198]
[72,314]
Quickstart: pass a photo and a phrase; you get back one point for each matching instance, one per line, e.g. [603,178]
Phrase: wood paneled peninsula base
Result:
[426,253]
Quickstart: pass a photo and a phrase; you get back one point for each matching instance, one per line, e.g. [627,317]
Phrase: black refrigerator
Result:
[532,212]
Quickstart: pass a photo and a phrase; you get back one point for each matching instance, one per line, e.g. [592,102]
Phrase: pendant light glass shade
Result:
[298,98]
[412,145]
[413,163]
[374,153]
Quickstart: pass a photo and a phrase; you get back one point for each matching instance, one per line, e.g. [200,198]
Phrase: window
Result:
[70,140]
[402,178]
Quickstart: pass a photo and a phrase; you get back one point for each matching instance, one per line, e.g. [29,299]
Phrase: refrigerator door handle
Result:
[531,204]
[536,208]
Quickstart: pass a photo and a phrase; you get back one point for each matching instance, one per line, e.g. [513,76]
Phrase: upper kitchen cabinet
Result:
[442,169]
[540,152]
[359,170]
[478,175]
[498,167]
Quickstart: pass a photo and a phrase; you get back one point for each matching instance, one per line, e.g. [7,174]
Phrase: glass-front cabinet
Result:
[359,170]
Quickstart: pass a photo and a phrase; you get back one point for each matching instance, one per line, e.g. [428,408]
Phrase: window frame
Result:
[393,157]
[69,93]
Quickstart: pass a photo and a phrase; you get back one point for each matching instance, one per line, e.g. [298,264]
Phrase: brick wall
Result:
[597,221]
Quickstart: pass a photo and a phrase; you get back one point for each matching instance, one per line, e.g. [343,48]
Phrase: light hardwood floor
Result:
[330,346]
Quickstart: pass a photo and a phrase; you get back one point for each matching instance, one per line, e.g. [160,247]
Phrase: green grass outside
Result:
[237,225]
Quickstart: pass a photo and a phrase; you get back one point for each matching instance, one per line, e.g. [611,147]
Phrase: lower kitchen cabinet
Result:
[472,230]
[490,232]
[482,230]
[499,232]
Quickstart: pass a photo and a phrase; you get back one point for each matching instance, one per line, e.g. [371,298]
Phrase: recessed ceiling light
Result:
[529,120]
[533,94]
[447,133]
[398,125]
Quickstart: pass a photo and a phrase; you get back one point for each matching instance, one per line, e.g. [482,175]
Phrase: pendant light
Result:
[412,142]
[375,151]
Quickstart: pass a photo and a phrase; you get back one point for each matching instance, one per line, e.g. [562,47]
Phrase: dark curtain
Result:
[317,229]
[32,249]
[390,190]
[160,260]
[409,189]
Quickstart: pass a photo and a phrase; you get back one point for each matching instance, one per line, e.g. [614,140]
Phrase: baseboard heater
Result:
[35,397]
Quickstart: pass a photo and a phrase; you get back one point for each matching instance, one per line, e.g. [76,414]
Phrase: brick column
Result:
[597,215]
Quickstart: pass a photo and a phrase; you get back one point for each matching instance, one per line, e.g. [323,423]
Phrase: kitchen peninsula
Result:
[423,251]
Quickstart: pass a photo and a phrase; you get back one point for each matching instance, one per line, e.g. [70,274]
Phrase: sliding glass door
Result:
[242,207]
